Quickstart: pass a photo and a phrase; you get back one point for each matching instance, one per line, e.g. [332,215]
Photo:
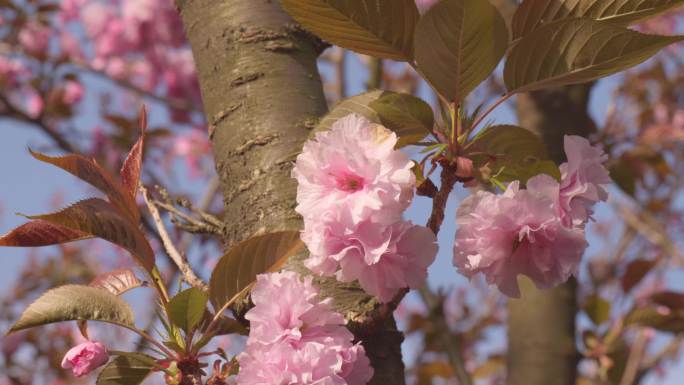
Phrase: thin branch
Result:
[188,274]
[649,227]
[340,67]
[449,178]
[56,137]
[636,354]
[206,224]
[375,72]
[450,344]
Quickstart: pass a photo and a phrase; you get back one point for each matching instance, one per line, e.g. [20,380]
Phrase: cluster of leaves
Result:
[457,44]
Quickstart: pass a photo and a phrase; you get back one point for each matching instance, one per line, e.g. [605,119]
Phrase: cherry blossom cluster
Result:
[353,188]
[137,40]
[295,338]
[537,231]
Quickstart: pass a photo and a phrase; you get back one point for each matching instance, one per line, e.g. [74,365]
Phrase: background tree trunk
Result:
[262,96]
[541,325]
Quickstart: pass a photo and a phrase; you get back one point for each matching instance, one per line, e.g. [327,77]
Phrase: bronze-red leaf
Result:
[130,171]
[99,218]
[41,233]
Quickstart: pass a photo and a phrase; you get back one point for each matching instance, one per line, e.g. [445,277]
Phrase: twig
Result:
[191,224]
[188,274]
[340,67]
[375,69]
[56,137]
[186,239]
[648,226]
[207,224]
[439,202]
[449,178]
[636,353]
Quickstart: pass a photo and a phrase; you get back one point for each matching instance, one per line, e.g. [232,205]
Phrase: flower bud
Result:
[84,358]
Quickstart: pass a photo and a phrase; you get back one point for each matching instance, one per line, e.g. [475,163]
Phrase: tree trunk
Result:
[541,325]
[262,96]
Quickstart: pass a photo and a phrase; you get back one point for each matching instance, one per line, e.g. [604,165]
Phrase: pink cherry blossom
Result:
[296,339]
[382,258]
[11,70]
[84,358]
[297,316]
[584,180]
[355,168]
[313,363]
[72,93]
[518,232]
[34,103]
[34,37]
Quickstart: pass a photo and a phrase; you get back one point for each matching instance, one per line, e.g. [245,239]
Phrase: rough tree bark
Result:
[541,325]
[262,96]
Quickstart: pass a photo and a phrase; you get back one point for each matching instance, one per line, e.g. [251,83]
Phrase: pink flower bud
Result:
[84,358]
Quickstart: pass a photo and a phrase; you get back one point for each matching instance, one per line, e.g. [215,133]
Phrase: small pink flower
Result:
[34,103]
[34,37]
[382,258]
[84,358]
[584,180]
[518,232]
[73,92]
[354,168]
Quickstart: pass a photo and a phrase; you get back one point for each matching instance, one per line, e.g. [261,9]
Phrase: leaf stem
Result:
[151,340]
[489,110]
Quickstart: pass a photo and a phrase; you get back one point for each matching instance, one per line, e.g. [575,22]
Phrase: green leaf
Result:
[409,117]
[576,51]
[237,269]
[357,104]
[75,302]
[129,369]
[117,282]
[532,14]
[373,27]
[99,218]
[459,44]
[597,309]
[187,308]
[510,153]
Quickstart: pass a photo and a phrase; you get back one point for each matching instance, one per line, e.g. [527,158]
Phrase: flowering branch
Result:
[448,178]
